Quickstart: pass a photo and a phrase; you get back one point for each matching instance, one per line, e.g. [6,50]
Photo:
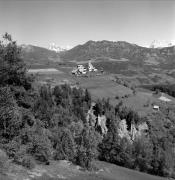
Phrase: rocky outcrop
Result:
[123,130]
[96,120]
[134,132]
[99,122]
[91,119]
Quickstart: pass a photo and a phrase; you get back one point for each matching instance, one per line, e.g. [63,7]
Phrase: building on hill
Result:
[91,68]
[79,70]
[156,107]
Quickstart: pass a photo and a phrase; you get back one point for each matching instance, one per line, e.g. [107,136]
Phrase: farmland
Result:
[104,86]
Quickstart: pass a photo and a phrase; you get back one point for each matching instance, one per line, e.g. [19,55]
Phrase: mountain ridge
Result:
[107,52]
[35,54]
[116,50]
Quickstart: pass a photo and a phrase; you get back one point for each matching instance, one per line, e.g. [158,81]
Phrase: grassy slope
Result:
[103,87]
[63,170]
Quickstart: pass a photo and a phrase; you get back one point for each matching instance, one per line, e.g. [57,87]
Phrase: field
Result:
[141,102]
[104,86]
[45,71]
[65,170]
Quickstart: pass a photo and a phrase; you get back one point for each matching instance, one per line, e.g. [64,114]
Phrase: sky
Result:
[73,22]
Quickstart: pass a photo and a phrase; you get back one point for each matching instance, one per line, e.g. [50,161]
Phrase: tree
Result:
[87,147]
[87,97]
[39,144]
[143,154]
[64,145]
[12,67]
[10,114]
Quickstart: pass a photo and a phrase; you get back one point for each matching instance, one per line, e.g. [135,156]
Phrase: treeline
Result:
[166,88]
[38,125]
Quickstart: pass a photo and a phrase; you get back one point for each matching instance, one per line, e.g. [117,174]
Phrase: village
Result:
[82,70]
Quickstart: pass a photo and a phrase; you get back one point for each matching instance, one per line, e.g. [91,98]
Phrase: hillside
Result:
[119,50]
[104,51]
[44,123]
[145,65]
[38,55]
[66,170]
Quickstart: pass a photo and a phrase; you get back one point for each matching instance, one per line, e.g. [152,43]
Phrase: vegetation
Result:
[148,153]
[166,88]
[41,124]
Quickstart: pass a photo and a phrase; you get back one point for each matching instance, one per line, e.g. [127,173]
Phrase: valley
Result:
[111,110]
[87,90]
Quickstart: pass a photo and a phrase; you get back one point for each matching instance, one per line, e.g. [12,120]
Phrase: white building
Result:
[91,67]
[156,108]
[79,70]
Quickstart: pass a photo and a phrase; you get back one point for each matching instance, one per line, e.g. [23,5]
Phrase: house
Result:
[156,107]
[79,70]
[91,67]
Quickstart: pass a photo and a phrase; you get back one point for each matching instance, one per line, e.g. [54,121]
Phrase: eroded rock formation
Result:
[134,132]
[96,120]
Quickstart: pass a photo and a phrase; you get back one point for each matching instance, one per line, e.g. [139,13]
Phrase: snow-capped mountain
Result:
[160,44]
[56,48]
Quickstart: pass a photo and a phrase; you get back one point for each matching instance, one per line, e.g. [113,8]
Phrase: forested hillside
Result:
[39,124]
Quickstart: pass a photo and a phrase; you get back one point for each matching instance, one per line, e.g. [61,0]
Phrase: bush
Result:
[12,148]
[3,162]
[22,158]
[40,148]
[64,145]
[28,162]
[117,97]
[84,158]
[87,149]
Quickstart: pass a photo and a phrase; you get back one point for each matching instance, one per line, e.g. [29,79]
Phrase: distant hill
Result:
[107,50]
[160,44]
[56,48]
[104,51]
[148,64]
[34,55]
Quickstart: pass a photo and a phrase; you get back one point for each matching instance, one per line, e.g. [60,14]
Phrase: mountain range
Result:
[34,55]
[160,44]
[112,56]
[57,49]
[107,50]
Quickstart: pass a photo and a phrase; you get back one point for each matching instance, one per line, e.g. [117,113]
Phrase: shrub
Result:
[117,97]
[64,145]
[87,148]
[82,158]
[3,162]
[11,148]
[28,162]
[21,157]
[40,148]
